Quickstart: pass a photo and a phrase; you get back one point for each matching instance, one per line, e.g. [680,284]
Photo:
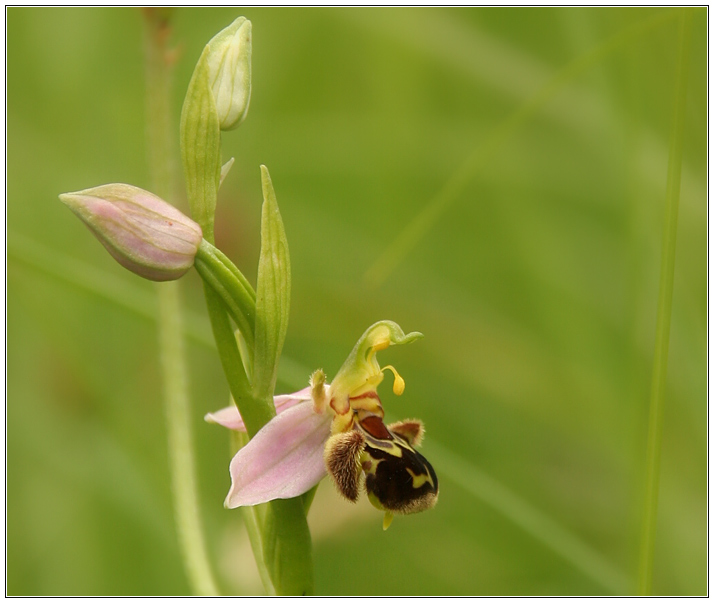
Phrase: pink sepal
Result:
[230,418]
[283,460]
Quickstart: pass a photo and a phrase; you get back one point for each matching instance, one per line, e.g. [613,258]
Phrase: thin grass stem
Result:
[664,314]
[123,293]
[171,345]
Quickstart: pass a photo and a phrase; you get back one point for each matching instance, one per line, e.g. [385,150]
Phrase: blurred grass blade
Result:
[420,224]
[523,514]
[82,275]
[118,291]
[172,354]
[182,464]
[121,293]
[272,295]
[664,312]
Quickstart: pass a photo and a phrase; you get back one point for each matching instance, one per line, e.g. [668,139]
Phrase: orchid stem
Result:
[171,345]
[664,314]
[253,412]
[230,285]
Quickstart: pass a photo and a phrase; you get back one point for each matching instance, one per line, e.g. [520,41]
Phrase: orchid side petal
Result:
[285,401]
[283,460]
[230,418]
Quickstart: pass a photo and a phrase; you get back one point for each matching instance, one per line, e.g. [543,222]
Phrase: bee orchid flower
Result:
[337,428]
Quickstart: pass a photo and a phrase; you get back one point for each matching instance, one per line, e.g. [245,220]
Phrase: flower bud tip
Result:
[229,72]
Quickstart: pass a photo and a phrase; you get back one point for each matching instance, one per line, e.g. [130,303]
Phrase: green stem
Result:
[233,269]
[664,313]
[285,545]
[171,343]
[181,455]
[254,413]
[254,519]
[231,286]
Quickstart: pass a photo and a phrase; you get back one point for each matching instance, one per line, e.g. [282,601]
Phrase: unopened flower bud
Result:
[141,231]
[228,62]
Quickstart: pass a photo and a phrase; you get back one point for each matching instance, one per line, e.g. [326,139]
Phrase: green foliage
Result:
[220,92]
[201,147]
[272,304]
[535,284]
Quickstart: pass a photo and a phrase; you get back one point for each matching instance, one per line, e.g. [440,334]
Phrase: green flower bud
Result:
[228,62]
[141,231]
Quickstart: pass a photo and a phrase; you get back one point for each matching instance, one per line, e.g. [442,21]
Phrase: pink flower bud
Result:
[141,231]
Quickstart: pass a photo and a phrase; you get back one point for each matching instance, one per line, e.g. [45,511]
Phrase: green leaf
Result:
[280,538]
[287,547]
[201,148]
[254,519]
[308,497]
[272,295]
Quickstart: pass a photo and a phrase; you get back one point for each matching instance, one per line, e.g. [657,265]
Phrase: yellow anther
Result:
[317,382]
[398,387]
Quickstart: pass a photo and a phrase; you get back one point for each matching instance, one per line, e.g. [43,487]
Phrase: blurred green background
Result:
[494,178]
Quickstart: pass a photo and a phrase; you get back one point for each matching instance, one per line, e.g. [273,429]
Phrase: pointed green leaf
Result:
[272,294]
[280,538]
[287,547]
[201,148]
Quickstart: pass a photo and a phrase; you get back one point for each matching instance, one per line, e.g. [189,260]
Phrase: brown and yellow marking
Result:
[396,477]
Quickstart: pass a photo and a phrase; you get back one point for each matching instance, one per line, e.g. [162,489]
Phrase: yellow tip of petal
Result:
[388,517]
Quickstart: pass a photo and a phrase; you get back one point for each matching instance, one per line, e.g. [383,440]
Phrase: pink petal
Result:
[283,460]
[285,401]
[226,417]
[230,418]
